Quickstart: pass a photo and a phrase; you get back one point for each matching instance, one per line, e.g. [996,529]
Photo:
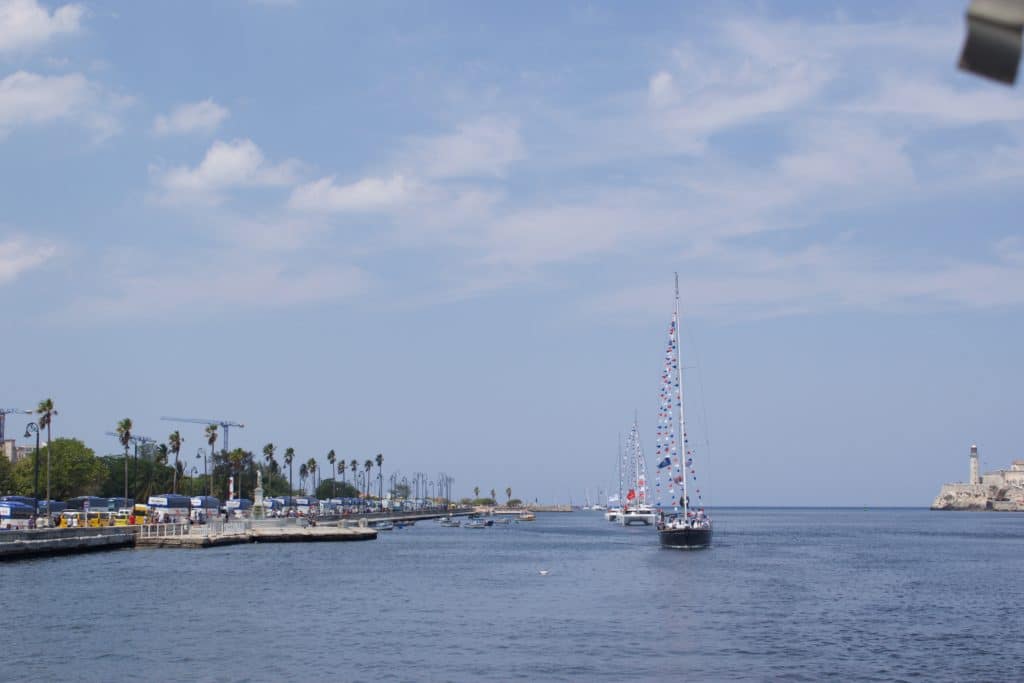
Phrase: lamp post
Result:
[201,453]
[29,429]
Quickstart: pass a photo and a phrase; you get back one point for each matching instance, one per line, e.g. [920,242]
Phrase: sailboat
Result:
[637,509]
[615,502]
[685,525]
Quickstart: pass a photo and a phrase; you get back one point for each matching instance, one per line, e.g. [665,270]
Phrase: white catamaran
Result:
[685,524]
[636,509]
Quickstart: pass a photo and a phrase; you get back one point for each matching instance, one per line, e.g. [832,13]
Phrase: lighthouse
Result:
[975,475]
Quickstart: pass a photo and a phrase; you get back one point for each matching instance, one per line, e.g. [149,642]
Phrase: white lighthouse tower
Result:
[975,474]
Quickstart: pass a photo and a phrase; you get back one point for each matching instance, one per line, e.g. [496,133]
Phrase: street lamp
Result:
[29,429]
[201,453]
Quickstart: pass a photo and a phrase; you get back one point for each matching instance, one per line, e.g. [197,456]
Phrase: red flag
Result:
[631,495]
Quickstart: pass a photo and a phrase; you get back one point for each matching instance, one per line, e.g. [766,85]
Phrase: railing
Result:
[163,530]
[221,528]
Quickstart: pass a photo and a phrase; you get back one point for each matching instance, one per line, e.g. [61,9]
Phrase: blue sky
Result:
[447,232]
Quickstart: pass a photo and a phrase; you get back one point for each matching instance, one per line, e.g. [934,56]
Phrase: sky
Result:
[447,232]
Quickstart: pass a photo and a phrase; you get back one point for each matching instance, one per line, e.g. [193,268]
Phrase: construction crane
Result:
[4,412]
[226,424]
[135,439]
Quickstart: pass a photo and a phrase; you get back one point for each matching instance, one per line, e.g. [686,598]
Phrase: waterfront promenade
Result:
[46,542]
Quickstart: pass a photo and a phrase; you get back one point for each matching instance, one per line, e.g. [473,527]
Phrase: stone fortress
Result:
[1002,490]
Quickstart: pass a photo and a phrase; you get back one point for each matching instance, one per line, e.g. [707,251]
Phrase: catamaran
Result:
[685,524]
[636,509]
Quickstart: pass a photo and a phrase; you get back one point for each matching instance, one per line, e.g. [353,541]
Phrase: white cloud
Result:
[368,194]
[730,282]
[938,104]
[485,147]
[203,116]
[32,99]
[19,255]
[216,284]
[661,90]
[226,165]
[25,24]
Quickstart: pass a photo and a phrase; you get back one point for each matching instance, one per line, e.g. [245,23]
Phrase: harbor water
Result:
[785,594]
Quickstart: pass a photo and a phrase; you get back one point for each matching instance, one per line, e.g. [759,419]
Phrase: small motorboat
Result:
[475,524]
[384,525]
[448,521]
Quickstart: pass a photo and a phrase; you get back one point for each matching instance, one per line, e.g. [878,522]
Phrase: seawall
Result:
[42,542]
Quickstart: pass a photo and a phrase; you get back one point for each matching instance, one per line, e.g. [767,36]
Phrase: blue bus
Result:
[15,515]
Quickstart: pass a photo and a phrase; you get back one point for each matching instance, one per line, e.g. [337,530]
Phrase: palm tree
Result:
[494,496]
[508,495]
[368,466]
[46,411]
[237,459]
[160,456]
[289,455]
[303,473]
[211,438]
[380,477]
[476,492]
[124,435]
[332,458]
[268,455]
[311,467]
[179,470]
[174,441]
[341,470]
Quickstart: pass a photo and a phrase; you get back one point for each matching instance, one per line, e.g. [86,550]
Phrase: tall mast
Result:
[620,470]
[679,403]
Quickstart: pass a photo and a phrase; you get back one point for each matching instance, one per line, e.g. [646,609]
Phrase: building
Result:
[999,490]
[16,453]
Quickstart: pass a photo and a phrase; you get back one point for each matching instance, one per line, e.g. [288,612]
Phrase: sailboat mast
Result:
[620,470]
[679,404]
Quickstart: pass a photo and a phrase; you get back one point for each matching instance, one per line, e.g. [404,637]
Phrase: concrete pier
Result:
[43,542]
[234,533]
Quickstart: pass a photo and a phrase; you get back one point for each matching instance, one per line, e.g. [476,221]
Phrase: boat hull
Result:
[685,538]
[629,518]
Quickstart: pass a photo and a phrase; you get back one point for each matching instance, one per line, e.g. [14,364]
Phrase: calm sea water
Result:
[784,595]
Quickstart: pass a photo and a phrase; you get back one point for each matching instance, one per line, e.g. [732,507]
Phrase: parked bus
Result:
[169,507]
[204,508]
[21,500]
[95,503]
[15,515]
[239,508]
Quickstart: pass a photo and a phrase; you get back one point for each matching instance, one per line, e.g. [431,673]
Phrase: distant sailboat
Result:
[637,508]
[684,525]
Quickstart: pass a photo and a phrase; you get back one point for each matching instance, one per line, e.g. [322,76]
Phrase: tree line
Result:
[146,468]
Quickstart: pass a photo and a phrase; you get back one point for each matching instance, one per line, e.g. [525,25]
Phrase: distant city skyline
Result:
[447,233]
